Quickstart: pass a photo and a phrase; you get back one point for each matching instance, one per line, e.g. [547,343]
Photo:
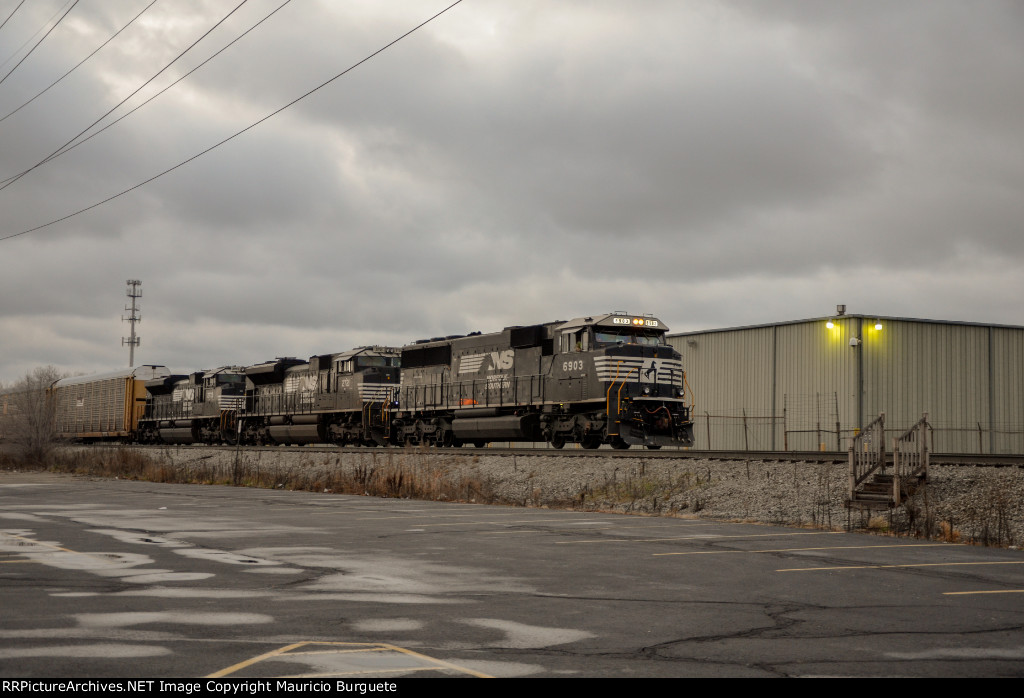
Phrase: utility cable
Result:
[35,34]
[14,178]
[54,83]
[135,109]
[237,133]
[43,38]
[12,13]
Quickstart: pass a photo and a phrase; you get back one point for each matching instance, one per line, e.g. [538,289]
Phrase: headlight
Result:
[647,390]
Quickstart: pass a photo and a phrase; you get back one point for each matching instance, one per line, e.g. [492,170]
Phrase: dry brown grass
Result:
[397,475]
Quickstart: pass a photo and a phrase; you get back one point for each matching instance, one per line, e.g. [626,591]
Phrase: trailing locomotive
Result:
[198,408]
[345,399]
[593,380]
[607,379]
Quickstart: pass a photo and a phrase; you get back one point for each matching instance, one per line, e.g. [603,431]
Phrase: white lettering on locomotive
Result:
[639,370]
[500,361]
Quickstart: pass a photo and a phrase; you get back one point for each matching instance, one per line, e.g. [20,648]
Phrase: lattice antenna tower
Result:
[134,315]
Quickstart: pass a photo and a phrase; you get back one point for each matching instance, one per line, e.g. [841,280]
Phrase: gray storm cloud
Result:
[716,164]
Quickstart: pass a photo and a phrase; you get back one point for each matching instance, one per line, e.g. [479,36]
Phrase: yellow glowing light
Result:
[878,325]
[830,324]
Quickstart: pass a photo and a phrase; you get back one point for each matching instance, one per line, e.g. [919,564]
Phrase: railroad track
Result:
[998,460]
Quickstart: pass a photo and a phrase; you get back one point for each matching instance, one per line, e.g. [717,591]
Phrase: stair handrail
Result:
[910,455]
[867,452]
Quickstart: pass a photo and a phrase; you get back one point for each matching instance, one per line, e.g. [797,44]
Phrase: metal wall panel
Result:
[1007,435]
[817,384]
[940,368]
[804,386]
[730,373]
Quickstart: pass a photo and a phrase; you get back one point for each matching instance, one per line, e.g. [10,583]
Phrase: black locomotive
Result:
[197,408]
[592,380]
[344,398]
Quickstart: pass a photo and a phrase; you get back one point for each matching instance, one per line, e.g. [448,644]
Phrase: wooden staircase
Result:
[875,481]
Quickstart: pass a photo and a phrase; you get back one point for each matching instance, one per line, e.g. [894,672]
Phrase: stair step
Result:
[872,496]
[870,504]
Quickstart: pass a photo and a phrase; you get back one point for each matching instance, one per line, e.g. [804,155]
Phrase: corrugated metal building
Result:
[810,384]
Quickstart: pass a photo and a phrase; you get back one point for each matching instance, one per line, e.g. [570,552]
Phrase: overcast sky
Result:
[712,163]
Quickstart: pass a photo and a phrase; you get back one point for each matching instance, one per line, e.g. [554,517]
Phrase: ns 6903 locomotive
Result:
[593,380]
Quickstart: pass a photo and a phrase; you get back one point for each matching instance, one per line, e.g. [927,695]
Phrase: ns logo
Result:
[500,361]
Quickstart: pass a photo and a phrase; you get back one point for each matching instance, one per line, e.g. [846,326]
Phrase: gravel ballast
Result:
[976,503]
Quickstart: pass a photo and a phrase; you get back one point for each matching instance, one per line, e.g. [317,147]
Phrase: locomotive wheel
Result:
[654,447]
[479,443]
[619,444]
[591,442]
[557,442]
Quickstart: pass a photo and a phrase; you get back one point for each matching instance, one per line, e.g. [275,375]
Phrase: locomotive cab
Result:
[625,384]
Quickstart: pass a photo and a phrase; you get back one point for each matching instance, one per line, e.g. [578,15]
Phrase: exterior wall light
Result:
[878,325]
[830,324]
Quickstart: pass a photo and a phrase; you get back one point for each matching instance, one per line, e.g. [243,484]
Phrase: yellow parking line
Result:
[793,550]
[882,567]
[441,662]
[33,541]
[491,523]
[697,537]
[995,591]
[249,662]
[348,648]
[374,672]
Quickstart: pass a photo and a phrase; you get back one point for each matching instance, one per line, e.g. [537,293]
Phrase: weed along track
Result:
[981,504]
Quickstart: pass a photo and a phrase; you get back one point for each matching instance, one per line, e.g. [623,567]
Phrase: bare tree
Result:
[28,413]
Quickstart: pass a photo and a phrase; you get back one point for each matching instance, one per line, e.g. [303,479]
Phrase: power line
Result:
[14,178]
[135,109]
[43,38]
[12,13]
[52,84]
[25,42]
[236,134]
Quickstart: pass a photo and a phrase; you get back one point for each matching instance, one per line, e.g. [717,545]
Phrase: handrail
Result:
[608,399]
[910,456]
[867,453]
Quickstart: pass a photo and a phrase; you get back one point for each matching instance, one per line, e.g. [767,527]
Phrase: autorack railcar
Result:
[103,406]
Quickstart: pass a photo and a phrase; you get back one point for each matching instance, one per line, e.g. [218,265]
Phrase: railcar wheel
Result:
[557,442]
[479,443]
[591,442]
[654,447]
[619,444]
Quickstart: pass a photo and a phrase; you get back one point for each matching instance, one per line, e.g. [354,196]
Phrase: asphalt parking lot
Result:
[113,578]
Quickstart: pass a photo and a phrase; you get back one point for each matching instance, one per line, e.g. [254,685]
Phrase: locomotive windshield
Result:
[607,338]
